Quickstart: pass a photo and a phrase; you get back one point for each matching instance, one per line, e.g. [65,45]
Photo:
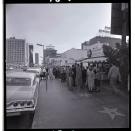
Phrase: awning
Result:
[97,59]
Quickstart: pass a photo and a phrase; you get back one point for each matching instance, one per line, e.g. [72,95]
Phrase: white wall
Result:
[61,61]
[75,54]
[97,49]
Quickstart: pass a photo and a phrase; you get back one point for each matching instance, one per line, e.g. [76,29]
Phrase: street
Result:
[59,107]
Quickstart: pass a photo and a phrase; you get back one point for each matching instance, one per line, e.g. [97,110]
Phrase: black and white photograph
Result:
[67,66]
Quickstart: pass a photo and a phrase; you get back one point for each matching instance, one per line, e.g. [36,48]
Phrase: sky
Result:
[64,26]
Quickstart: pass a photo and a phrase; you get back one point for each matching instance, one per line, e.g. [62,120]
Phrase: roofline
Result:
[90,58]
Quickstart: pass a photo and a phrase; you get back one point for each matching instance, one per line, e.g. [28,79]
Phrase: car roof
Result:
[34,69]
[20,74]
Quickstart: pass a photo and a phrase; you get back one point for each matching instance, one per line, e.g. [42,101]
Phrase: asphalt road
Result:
[59,107]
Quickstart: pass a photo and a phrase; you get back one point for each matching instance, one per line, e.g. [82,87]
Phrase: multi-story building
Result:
[99,39]
[96,45]
[36,58]
[49,52]
[16,52]
[31,55]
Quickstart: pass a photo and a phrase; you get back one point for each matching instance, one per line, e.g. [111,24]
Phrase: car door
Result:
[35,87]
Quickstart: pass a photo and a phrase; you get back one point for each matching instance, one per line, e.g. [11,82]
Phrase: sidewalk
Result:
[118,91]
[104,90]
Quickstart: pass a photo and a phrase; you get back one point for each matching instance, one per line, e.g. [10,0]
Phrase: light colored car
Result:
[21,93]
[34,70]
[37,71]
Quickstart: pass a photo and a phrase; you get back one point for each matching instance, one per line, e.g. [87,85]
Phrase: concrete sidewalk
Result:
[118,91]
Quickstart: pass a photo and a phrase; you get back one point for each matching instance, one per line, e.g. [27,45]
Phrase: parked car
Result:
[37,71]
[34,70]
[21,93]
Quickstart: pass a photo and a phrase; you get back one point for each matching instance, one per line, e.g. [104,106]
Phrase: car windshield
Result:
[32,71]
[18,81]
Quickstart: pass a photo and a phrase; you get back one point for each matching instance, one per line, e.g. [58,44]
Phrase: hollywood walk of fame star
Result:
[112,112]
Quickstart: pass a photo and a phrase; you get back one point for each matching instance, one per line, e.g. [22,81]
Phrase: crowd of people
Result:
[78,76]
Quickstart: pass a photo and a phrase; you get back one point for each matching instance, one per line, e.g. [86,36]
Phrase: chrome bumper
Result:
[16,112]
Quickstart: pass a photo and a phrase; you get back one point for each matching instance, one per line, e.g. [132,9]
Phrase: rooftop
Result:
[102,40]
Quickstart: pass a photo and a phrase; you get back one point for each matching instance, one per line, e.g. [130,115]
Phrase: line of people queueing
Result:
[79,76]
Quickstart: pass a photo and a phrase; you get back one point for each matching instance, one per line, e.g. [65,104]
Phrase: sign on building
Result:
[89,53]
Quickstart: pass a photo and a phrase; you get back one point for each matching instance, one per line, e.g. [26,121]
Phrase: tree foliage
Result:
[119,55]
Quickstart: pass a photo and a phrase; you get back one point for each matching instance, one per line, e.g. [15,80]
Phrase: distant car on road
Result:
[21,93]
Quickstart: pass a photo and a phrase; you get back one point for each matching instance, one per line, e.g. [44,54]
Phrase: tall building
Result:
[31,64]
[49,52]
[36,58]
[16,52]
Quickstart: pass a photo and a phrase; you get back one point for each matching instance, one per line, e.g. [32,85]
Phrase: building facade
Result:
[99,39]
[16,52]
[96,45]
[59,61]
[75,54]
[36,58]
[31,64]
[49,52]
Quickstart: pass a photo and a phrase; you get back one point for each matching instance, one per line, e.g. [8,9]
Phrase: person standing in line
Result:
[47,73]
[90,79]
[97,79]
[51,76]
[86,84]
[62,74]
[79,77]
[114,76]
[67,75]
[76,79]
[73,75]
[54,72]
[44,73]
[83,76]
[70,78]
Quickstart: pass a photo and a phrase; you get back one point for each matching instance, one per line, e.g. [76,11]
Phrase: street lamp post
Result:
[43,52]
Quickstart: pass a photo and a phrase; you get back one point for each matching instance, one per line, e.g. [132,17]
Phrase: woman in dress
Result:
[90,79]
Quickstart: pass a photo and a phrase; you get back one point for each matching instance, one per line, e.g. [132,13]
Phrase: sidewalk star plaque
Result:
[112,112]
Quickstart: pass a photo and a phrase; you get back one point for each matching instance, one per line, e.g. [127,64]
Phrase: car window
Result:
[18,81]
[32,71]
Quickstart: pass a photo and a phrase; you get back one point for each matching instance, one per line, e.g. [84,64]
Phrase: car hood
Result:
[16,93]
